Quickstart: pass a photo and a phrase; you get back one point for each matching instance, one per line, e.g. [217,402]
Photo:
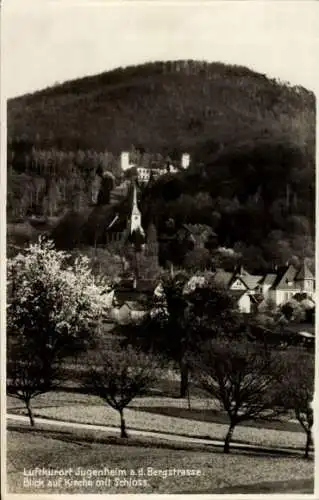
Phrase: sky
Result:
[49,41]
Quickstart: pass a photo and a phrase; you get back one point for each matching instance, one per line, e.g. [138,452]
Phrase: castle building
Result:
[185,161]
[144,172]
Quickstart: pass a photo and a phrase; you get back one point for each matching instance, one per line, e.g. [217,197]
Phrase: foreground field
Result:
[75,408]
[203,409]
[215,471]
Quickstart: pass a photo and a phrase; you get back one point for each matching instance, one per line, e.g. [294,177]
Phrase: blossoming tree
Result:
[55,309]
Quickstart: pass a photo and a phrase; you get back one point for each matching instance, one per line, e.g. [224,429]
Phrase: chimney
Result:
[185,160]
[125,161]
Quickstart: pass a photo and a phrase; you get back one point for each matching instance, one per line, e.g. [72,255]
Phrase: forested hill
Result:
[251,140]
[162,107]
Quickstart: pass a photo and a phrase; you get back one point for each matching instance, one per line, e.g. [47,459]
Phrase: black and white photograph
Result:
[158,286]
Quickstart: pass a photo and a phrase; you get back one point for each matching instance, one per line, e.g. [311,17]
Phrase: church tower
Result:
[136,235]
[136,231]
[136,217]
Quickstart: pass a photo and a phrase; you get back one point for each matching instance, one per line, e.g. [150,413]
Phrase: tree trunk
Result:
[136,268]
[287,195]
[188,397]
[184,379]
[228,437]
[308,443]
[30,413]
[123,426]
[172,270]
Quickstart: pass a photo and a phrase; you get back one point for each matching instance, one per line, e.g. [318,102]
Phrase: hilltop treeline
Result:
[159,107]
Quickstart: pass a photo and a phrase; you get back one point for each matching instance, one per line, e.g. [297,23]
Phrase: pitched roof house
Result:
[279,287]
[129,300]
[288,281]
[249,290]
[241,284]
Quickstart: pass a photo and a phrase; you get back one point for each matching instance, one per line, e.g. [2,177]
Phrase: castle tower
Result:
[185,160]
[125,161]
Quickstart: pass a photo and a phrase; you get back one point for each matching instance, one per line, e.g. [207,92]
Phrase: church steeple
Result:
[136,234]
[134,204]
[136,217]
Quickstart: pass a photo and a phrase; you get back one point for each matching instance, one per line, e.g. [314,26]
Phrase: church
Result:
[136,231]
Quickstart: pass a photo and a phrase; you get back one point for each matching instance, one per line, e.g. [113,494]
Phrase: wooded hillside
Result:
[251,139]
[161,105]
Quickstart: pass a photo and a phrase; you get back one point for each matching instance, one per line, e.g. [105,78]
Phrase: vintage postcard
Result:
[159,191]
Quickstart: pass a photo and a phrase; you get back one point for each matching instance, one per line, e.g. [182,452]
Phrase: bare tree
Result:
[29,375]
[298,390]
[241,376]
[118,376]
[183,315]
